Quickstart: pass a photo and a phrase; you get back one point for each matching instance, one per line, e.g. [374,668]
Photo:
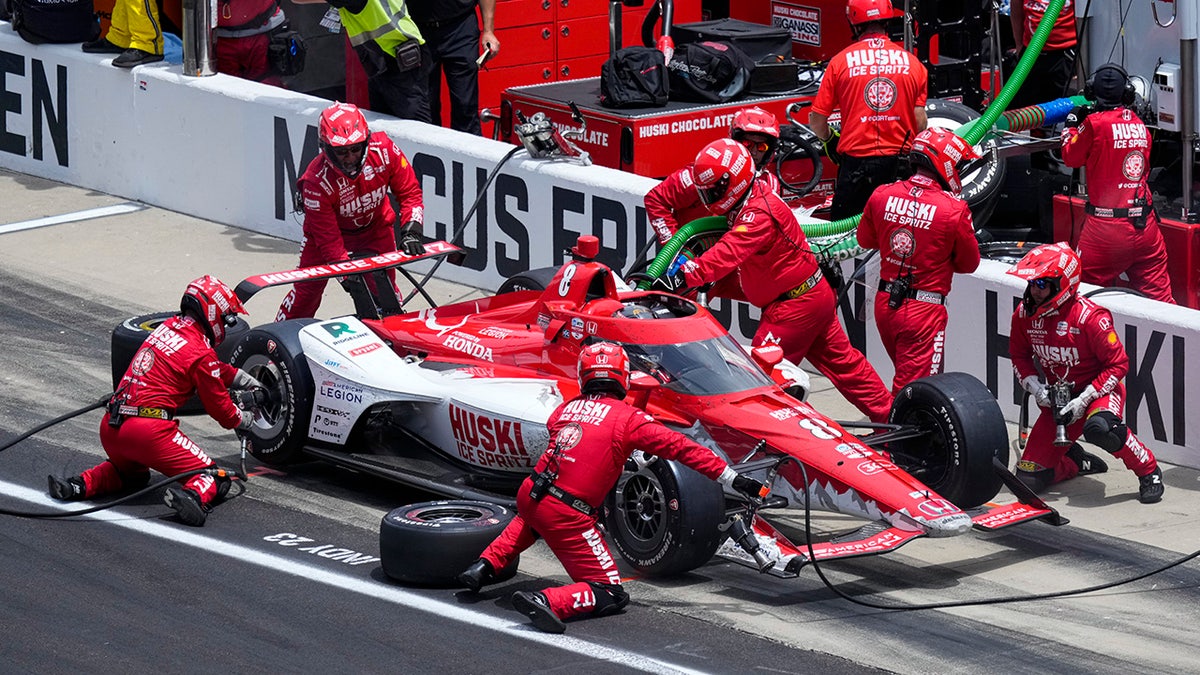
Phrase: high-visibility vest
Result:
[386,22]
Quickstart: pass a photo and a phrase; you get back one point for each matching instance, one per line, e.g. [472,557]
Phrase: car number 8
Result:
[564,286]
[820,429]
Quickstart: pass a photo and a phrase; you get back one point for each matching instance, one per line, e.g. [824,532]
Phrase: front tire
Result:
[273,355]
[965,431]
[664,519]
[430,543]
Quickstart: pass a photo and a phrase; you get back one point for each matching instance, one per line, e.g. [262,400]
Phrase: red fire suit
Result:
[1077,343]
[926,232]
[592,437]
[243,34]
[175,362]
[343,215]
[779,274]
[1114,146]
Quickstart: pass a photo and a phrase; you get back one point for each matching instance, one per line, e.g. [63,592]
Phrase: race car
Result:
[454,400]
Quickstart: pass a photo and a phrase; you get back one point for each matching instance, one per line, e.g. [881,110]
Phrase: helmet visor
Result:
[348,158]
[715,192]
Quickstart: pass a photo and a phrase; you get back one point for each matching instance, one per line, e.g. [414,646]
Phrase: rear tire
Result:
[430,543]
[981,189]
[273,355]
[965,431]
[533,280]
[664,519]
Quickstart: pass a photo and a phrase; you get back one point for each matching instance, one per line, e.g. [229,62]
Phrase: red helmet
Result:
[941,151]
[214,303]
[756,121]
[866,11]
[342,133]
[603,365]
[1056,263]
[723,173]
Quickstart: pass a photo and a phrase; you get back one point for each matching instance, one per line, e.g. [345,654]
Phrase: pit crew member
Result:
[778,273]
[346,208]
[924,234]
[881,91]
[139,431]
[1120,228]
[1071,340]
[592,436]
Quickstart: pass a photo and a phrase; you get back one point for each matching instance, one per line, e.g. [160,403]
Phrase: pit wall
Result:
[229,151]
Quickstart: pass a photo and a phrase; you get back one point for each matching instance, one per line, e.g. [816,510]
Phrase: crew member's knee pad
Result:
[1105,430]
[1033,476]
[610,598]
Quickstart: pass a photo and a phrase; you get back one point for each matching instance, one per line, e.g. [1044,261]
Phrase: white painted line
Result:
[396,595]
[116,209]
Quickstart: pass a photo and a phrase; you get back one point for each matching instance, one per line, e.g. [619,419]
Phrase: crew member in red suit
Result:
[779,274]
[881,91]
[924,234]
[1120,229]
[346,207]
[243,34]
[1067,338]
[1051,73]
[139,432]
[592,436]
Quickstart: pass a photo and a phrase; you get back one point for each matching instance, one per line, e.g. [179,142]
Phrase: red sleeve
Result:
[868,230]
[1077,143]
[826,101]
[747,236]
[320,220]
[1019,349]
[405,186]
[208,375]
[674,192]
[922,80]
[1109,351]
[965,257]
[644,434]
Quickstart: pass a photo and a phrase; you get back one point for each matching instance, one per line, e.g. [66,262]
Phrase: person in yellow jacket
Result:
[135,34]
[392,52]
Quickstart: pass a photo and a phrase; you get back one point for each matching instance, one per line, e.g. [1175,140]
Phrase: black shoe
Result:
[479,573]
[101,46]
[1150,487]
[1088,463]
[537,608]
[187,505]
[135,57]
[67,490]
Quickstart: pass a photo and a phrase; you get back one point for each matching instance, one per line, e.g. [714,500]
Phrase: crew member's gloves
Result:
[1076,407]
[355,6]
[746,485]
[1038,390]
[1075,117]
[410,238]
[247,420]
[243,381]
[829,146]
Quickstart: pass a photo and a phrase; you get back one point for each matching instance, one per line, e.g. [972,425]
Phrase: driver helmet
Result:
[604,367]
[214,304]
[942,152]
[758,130]
[859,12]
[342,134]
[1053,265]
[723,174]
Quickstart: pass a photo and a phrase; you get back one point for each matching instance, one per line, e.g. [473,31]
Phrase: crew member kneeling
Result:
[591,438]
[139,432]
[1072,340]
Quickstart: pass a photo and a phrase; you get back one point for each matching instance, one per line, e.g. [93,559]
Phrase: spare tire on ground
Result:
[430,543]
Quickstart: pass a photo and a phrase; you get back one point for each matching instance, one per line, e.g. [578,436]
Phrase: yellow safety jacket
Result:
[384,22]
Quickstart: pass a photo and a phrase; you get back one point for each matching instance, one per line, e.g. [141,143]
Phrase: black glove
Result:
[1075,117]
[410,239]
[749,487]
[354,6]
[829,147]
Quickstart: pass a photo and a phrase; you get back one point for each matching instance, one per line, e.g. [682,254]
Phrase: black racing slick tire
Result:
[272,354]
[981,188]
[1006,251]
[128,336]
[430,543]
[664,519]
[533,280]
[964,430]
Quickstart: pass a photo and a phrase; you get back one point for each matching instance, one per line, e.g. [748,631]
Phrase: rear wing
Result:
[367,303]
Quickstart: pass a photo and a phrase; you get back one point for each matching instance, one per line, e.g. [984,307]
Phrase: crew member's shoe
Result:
[1150,487]
[1088,463]
[479,573]
[67,489]
[135,57]
[187,505]
[101,46]
[537,608]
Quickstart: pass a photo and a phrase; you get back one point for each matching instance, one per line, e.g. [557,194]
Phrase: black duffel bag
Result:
[64,21]
[635,77]
[709,72]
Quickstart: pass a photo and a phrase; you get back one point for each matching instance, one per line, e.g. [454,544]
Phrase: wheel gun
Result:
[1060,396]
[543,140]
